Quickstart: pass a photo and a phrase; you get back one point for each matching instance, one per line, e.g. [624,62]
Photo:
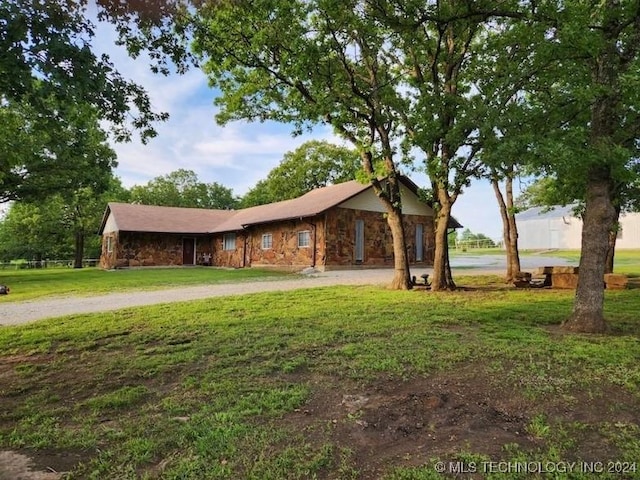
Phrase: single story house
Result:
[338,226]
[541,228]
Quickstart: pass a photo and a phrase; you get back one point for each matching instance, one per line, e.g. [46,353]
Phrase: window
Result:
[109,244]
[267,241]
[229,241]
[304,239]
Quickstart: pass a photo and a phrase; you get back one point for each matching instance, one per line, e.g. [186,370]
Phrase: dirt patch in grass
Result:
[394,423]
[37,465]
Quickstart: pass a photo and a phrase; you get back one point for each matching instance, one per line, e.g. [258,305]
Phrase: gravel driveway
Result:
[16,313]
[23,312]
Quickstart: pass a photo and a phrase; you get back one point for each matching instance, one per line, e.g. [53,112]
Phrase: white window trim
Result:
[269,244]
[225,237]
[109,244]
[307,234]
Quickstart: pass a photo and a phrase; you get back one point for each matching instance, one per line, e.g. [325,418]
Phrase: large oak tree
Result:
[312,62]
[48,71]
[592,99]
[182,188]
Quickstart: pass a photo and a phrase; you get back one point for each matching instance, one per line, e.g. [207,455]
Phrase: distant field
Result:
[626,261]
[29,284]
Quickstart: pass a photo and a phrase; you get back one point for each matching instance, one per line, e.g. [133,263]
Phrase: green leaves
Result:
[182,188]
[47,55]
[314,164]
[42,155]
[299,62]
[46,228]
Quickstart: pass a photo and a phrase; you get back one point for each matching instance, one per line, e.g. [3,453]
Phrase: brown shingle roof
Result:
[308,205]
[148,218]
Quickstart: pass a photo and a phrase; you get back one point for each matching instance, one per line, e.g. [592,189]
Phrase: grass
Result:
[211,388]
[30,284]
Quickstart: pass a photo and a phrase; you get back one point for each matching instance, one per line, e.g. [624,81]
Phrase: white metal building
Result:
[559,228]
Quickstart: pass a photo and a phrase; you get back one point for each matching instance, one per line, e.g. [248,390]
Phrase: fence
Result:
[25,264]
[465,245]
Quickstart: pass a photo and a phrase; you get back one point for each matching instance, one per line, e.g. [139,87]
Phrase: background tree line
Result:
[64,226]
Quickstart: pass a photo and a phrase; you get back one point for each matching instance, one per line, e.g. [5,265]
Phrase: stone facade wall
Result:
[428,238]
[378,242]
[229,258]
[331,245]
[284,251]
[108,260]
[341,232]
[134,249]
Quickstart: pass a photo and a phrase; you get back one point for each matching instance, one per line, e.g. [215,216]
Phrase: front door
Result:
[188,251]
[359,253]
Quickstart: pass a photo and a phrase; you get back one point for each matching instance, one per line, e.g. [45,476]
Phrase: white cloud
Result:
[236,155]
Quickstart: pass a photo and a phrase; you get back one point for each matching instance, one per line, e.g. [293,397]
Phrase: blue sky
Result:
[238,154]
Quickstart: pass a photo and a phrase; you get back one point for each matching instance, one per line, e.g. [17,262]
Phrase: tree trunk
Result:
[600,212]
[79,250]
[611,252]
[613,236]
[447,264]
[599,217]
[389,195]
[509,227]
[512,252]
[442,278]
[508,278]
[402,276]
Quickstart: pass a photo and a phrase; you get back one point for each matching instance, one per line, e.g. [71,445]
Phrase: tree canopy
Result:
[58,227]
[314,164]
[40,155]
[47,54]
[54,89]
[589,96]
[182,188]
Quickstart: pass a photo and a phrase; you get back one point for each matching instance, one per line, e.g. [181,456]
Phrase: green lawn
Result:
[29,284]
[340,383]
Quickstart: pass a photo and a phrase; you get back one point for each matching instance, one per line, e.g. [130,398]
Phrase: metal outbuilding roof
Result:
[546,213]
